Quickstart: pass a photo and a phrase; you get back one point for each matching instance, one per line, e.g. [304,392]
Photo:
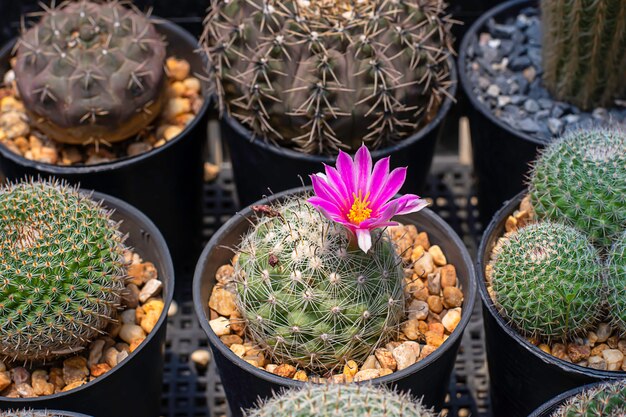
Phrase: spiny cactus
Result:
[91,71]
[584,50]
[353,400]
[547,281]
[309,298]
[32,413]
[606,400]
[319,75]
[617,283]
[581,179]
[61,270]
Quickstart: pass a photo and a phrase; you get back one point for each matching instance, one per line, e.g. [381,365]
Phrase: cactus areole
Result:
[91,72]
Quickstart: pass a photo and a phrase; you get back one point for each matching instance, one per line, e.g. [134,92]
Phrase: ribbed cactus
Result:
[547,281]
[319,75]
[606,400]
[91,71]
[617,283]
[353,400]
[61,270]
[584,50]
[581,179]
[308,297]
[32,413]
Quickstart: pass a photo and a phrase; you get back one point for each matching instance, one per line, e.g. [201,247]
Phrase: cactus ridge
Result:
[581,179]
[328,400]
[309,299]
[605,400]
[62,270]
[617,284]
[547,281]
[321,75]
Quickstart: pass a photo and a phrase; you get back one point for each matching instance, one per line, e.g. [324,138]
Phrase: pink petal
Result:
[410,203]
[391,187]
[340,186]
[345,168]
[323,189]
[365,239]
[378,178]
[363,167]
[330,209]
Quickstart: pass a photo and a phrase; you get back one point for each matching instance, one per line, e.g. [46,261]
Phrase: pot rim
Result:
[482,259]
[214,340]
[164,27]
[281,151]
[149,228]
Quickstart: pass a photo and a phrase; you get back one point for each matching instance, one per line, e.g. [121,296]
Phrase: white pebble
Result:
[152,288]
[201,357]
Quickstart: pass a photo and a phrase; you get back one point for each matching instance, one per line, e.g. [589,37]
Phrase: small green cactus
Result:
[91,71]
[617,284]
[584,45]
[309,298]
[547,281]
[61,270]
[326,400]
[606,400]
[581,179]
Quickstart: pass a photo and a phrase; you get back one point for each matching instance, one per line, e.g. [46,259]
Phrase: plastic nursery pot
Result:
[501,154]
[522,376]
[165,183]
[132,388]
[259,167]
[244,383]
[58,413]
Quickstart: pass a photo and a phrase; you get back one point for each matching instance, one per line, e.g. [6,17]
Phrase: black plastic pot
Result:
[259,166]
[501,153]
[522,376]
[133,388]
[244,383]
[551,406]
[165,183]
[58,413]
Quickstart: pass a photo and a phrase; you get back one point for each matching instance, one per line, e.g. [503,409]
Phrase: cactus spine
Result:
[605,400]
[617,283]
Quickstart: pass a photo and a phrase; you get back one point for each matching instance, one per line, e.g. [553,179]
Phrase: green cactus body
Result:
[606,400]
[547,281]
[584,50]
[326,400]
[617,284]
[581,179]
[320,75]
[61,270]
[309,299]
[91,71]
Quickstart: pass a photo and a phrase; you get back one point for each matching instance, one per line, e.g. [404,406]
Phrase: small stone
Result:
[612,342]
[448,276]
[370,363]
[385,359]
[238,349]
[95,352]
[40,384]
[152,313]
[138,148]
[451,319]
[177,69]
[406,354]
[493,90]
[438,256]
[173,310]
[25,390]
[433,338]
[529,125]
[237,324]
[434,304]
[350,369]
[301,376]
[410,329]
[285,370]
[621,345]
[222,301]
[171,132]
[597,362]
[201,357]
[75,369]
[150,289]
[545,348]
[418,310]
[174,107]
[231,339]
[592,337]
[5,380]
[130,296]
[271,367]
[613,358]
[73,385]
[417,252]
[128,316]
[366,375]
[598,349]
[452,297]
[141,273]
[424,265]
[555,126]
[559,350]
[530,74]
[131,332]
[192,85]
[434,284]
[99,369]
[123,355]
[603,331]
[531,106]
[220,325]
[55,376]
[225,274]
[422,240]
[426,350]
[20,375]
[578,353]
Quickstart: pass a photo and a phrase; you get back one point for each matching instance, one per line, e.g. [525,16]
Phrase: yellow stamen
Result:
[360,210]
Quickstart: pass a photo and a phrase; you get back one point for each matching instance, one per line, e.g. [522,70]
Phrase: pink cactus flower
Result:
[359,197]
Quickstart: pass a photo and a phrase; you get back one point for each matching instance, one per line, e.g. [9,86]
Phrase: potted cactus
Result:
[82,315]
[551,274]
[352,400]
[297,81]
[96,94]
[321,291]
[532,73]
[39,413]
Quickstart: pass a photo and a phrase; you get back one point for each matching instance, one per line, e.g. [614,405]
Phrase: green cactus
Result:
[584,51]
[581,179]
[605,400]
[320,75]
[547,281]
[61,270]
[91,71]
[31,413]
[309,298]
[617,284]
[326,400]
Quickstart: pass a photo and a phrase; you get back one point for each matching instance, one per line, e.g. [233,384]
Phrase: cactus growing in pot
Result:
[321,75]
[616,281]
[91,71]
[606,400]
[61,270]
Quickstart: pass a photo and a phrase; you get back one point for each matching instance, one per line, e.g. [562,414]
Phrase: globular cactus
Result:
[581,179]
[91,71]
[584,51]
[320,75]
[606,400]
[61,270]
[616,282]
[326,400]
[310,299]
[547,281]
